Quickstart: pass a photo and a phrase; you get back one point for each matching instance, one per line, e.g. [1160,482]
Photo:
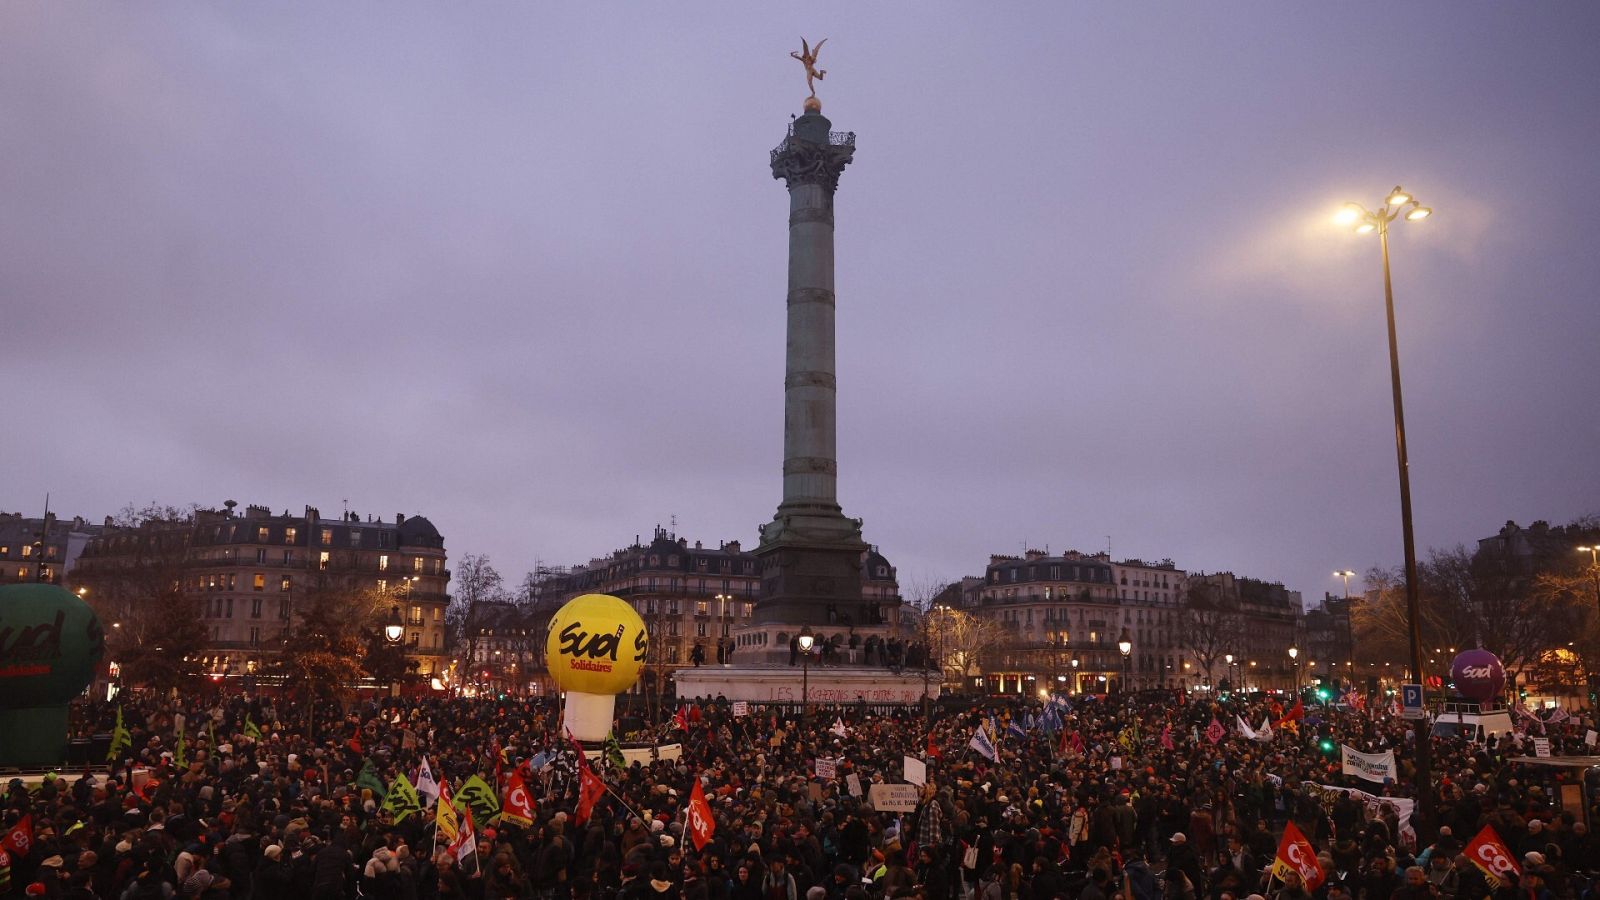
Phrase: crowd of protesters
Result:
[1137,797]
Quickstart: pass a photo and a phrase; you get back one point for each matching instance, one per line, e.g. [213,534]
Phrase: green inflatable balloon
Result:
[50,644]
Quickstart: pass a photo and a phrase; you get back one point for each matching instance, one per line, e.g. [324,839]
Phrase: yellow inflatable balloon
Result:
[597,645]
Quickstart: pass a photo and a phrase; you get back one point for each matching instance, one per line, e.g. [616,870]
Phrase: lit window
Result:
[327,536]
[700,607]
[259,583]
[383,562]
[288,535]
[437,613]
[322,560]
[283,585]
[27,551]
[416,615]
[383,585]
[416,564]
[263,533]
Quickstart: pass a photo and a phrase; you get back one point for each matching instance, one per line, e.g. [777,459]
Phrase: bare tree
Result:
[476,582]
[1211,625]
[960,642]
[154,628]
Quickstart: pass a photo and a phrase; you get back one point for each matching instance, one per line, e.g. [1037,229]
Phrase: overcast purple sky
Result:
[521,269]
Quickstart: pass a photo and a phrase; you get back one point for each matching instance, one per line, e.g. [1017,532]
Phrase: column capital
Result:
[810,154]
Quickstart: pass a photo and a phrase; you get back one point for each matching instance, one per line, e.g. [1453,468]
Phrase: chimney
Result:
[399,519]
[108,522]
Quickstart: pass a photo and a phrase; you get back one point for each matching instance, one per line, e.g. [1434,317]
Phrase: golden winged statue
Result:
[807,55]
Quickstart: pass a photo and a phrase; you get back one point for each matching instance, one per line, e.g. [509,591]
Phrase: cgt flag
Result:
[518,807]
[1490,854]
[1296,853]
[18,840]
[402,800]
[701,824]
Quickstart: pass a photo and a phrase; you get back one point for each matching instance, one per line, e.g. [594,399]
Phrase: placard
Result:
[1541,748]
[916,771]
[827,769]
[741,708]
[852,783]
[1590,736]
[893,797]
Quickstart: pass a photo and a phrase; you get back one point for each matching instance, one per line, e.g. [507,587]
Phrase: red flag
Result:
[19,839]
[464,849]
[1296,713]
[680,720]
[354,743]
[1214,731]
[518,805]
[1296,853]
[590,787]
[1490,854]
[1166,736]
[933,749]
[701,825]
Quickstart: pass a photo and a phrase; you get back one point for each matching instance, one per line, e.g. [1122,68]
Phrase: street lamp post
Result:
[1125,647]
[1399,204]
[1294,663]
[1349,624]
[805,642]
[1227,669]
[1594,569]
[1076,688]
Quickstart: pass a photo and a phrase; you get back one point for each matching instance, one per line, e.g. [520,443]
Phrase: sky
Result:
[521,268]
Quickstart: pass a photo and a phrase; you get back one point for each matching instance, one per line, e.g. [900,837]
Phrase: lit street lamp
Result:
[805,642]
[1125,647]
[1294,662]
[394,630]
[1400,204]
[1076,689]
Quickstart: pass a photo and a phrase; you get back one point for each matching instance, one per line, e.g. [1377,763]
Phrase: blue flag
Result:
[1015,728]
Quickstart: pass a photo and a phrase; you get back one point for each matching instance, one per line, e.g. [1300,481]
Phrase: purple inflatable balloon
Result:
[1478,675]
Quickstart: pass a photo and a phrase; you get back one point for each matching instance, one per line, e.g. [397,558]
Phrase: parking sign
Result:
[1411,701]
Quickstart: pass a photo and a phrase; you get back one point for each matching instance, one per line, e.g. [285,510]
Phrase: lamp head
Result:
[1349,214]
[806,640]
[1366,228]
[1418,213]
[1398,197]
[1294,652]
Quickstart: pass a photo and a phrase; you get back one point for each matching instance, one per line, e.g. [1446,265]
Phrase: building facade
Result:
[249,573]
[1330,639]
[41,550]
[1066,617]
[502,651]
[1266,620]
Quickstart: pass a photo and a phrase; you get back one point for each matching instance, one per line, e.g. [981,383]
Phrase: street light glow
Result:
[1418,214]
[1366,228]
[1398,197]
[1349,214]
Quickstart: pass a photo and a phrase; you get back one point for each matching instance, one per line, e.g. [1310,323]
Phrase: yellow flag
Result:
[446,823]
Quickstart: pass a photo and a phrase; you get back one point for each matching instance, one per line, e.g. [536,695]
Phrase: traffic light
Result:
[1326,745]
[1594,689]
[1323,694]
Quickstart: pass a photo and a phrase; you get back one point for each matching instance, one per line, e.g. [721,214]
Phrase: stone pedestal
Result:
[819,685]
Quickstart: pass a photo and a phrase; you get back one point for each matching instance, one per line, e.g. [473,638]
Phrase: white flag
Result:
[1264,733]
[427,787]
[984,744]
[1244,729]
[839,729]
